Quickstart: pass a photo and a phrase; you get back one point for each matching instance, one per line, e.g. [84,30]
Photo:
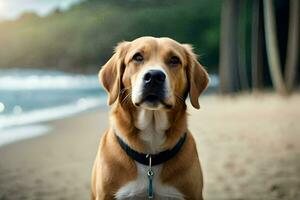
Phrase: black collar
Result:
[156,158]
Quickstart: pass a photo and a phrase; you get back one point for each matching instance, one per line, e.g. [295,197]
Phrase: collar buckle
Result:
[150,175]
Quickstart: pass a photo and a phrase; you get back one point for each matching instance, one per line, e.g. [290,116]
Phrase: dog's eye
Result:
[138,57]
[174,60]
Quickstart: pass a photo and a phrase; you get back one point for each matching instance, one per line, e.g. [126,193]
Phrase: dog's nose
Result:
[154,76]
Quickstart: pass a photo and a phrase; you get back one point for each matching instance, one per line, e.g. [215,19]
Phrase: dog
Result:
[148,151]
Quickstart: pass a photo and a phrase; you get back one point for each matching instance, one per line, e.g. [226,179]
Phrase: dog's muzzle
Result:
[153,89]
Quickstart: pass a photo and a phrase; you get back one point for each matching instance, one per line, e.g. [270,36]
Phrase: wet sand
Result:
[249,148]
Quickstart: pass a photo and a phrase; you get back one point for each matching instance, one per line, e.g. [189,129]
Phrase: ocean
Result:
[30,97]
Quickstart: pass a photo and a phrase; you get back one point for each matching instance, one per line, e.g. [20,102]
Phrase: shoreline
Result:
[38,121]
[248,147]
[40,161]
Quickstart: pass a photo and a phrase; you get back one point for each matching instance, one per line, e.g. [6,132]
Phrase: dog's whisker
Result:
[126,98]
[124,89]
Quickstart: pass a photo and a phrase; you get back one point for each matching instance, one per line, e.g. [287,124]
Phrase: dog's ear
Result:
[196,75]
[110,75]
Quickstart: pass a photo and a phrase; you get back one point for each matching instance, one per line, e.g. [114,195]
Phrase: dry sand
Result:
[249,147]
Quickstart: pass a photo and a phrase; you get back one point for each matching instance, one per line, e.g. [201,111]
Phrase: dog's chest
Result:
[137,189]
[152,125]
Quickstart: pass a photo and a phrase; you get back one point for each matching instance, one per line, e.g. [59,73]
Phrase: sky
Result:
[11,9]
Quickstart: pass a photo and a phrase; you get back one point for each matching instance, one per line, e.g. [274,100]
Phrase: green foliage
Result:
[83,37]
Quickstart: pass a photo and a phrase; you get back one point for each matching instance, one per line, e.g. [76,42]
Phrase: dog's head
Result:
[154,72]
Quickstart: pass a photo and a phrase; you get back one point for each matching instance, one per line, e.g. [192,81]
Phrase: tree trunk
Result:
[242,64]
[257,46]
[291,63]
[229,81]
[272,48]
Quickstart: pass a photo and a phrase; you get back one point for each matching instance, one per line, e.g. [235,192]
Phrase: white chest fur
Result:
[152,125]
[137,189]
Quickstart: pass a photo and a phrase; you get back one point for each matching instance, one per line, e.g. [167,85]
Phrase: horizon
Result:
[12,9]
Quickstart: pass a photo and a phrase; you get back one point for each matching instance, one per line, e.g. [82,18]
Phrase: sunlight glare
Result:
[2,107]
[1,7]
[1,4]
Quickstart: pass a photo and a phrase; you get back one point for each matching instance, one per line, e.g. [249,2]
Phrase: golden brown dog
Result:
[148,151]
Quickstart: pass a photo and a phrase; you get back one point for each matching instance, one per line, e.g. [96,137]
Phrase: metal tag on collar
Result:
[150,175]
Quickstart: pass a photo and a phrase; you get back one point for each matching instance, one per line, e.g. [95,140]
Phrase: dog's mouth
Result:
[153,101]
[152,98]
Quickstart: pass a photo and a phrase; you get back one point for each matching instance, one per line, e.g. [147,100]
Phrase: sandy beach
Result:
[249,147]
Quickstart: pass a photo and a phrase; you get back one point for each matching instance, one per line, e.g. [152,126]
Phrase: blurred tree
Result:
[272,47]
[82,38]
[242,63]
[233,45]
[291,63]
[257,46]
[228,67]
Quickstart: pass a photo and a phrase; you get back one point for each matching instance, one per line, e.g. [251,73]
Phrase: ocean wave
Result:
[31,97]
[214,80]
[52,113]
[37,80]
[15,134]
